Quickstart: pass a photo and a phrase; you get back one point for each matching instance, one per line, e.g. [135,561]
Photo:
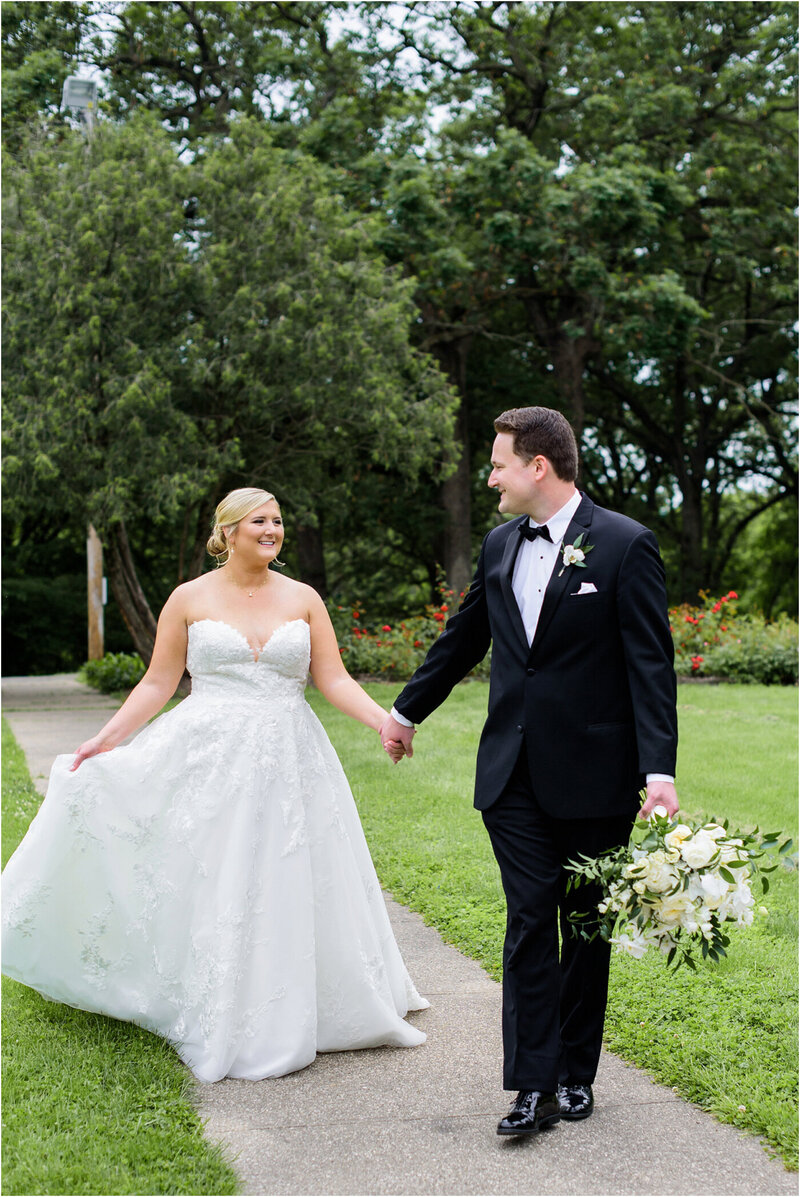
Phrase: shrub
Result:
[712,640]
[762,652]
[113,672]
[392,651]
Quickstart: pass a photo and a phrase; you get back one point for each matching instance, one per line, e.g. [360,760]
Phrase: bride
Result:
[210,880]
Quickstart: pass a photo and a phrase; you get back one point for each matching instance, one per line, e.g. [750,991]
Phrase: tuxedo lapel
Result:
[506,573]
[581,522]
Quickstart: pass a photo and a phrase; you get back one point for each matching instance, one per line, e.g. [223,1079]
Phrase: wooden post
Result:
[94,575]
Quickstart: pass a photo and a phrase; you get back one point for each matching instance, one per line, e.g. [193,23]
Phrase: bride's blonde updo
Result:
[230,510]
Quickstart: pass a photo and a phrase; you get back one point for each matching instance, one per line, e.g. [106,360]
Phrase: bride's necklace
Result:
[250,590]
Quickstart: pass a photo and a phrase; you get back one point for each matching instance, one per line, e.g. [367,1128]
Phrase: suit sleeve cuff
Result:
[653,776]
[401,718]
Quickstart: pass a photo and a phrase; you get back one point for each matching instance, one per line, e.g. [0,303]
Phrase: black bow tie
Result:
[531,533]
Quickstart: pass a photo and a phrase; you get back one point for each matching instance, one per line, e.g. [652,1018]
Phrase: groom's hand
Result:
[660,793]
[394,733]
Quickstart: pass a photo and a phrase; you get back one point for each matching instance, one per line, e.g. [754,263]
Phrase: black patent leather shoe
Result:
[532,1111]
[575,1101]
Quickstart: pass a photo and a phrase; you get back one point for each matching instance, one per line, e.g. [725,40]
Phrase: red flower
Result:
[443,607]
[717,607]
[355,615]
[696,663]
[723,627]
[732,594]
[386,628]
[438,616]
[690,620]
[417,644]
[378,643]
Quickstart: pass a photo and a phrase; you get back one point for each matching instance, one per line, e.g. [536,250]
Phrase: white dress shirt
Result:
[535,562]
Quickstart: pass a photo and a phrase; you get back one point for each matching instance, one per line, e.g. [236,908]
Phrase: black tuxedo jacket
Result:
[594,696]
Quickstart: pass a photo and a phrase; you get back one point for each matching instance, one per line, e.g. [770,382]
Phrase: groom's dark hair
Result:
[541,430]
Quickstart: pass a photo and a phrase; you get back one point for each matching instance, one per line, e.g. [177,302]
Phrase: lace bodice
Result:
[222,663]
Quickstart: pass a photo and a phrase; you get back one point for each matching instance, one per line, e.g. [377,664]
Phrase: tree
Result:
[173,329]
[601,222]
[94,310]
[41,47]
[203,65]
[300,345]
[648,250]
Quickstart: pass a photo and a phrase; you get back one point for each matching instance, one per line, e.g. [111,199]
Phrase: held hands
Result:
[660,793]
[396,739]
[395,750]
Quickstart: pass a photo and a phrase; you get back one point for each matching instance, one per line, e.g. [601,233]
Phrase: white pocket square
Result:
[586,588]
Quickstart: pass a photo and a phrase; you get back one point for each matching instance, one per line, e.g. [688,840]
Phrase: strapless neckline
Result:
[241,636]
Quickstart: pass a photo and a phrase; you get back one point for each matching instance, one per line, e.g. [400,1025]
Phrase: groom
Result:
[581,715]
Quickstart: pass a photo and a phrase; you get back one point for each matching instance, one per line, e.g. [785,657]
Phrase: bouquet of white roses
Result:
[676,885]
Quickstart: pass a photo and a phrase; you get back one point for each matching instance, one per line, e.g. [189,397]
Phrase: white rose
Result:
[672,909]
[715,831]
[572,555]
[699,851]
[674,839]
[660,875]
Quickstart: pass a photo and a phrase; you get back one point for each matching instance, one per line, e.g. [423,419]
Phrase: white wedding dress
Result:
[210,881]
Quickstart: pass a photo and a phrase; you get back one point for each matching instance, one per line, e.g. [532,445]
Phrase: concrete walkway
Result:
[422,1120]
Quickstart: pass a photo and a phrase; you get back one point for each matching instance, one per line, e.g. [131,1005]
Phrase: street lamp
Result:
[81,95]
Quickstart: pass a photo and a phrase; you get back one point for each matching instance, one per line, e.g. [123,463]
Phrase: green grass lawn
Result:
[725,1037]
[96,1106]
[90,1105]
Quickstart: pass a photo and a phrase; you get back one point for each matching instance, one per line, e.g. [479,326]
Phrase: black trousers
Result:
[553,1006]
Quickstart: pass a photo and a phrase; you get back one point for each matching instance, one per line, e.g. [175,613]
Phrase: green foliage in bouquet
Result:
[113,673]
[676,885]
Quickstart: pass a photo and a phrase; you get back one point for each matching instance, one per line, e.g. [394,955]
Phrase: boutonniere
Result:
[573,554]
